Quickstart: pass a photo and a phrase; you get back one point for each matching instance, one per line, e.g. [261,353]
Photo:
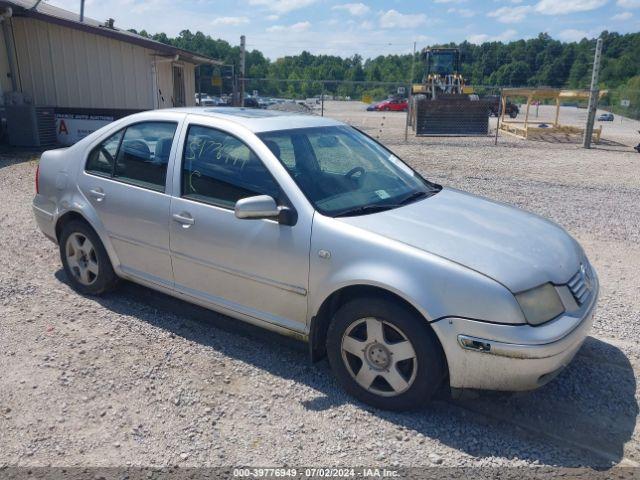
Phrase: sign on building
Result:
[72,127]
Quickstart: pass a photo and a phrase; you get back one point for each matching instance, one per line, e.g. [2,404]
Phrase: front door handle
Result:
[98,194]
[184,218]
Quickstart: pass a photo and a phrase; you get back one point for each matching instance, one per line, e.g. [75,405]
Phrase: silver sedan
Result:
[306,226]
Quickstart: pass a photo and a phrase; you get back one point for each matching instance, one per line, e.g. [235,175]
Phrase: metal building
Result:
[82,72]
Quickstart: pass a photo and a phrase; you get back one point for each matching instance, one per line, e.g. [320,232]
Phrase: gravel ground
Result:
[138,378]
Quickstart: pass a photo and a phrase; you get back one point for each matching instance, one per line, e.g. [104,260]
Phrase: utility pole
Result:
[409,120]
[242,65]
[413,64]
[593,96]
[234,85]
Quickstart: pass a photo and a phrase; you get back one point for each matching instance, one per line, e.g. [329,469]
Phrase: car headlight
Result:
[540,304]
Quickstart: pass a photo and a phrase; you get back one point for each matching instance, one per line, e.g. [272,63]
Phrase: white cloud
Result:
[483,37]
[394,19]
[511,14]
[296,27]
[462,12]
[449,1]
[272,17]
[572,35]
[563,7]
[356,9]
[622,16]
[282,6]
[629,3]
[231,21]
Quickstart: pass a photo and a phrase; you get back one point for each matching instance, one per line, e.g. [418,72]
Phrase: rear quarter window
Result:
[102,158]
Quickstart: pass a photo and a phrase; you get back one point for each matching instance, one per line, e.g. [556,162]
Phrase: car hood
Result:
[516,248]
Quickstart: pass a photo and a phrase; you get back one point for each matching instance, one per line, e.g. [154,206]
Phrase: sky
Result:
[286,27]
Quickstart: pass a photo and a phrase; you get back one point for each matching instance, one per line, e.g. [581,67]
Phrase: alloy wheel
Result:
[379,357]
[81,258]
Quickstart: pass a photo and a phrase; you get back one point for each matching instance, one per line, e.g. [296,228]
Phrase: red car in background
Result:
[390,105]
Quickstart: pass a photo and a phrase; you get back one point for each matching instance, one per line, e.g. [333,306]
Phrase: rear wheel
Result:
[85,259]
[385,355]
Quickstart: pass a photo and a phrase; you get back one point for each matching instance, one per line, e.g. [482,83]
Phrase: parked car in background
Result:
[390,105]
[606,117]
[251,102]
[209,100]
[307,226]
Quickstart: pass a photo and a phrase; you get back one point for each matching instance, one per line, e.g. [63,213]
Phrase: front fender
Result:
[435,286]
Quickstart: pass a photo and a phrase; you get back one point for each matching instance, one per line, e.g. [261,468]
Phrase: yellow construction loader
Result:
[443,104]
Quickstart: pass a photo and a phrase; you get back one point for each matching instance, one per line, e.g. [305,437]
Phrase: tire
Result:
[386,109]
[85,259]
[412,381]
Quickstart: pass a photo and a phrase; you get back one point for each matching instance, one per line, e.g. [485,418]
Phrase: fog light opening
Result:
[474,344]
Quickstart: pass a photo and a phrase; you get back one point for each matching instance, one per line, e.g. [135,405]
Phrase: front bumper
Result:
[488,356]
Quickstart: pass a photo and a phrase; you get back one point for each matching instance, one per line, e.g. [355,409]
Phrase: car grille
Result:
[581,284]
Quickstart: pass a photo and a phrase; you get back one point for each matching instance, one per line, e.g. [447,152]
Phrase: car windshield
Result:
[344,172]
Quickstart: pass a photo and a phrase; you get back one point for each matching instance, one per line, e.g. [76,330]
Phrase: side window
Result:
[218,168]
[144,153]
[102,157]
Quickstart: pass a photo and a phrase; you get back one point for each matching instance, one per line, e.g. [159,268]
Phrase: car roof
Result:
[258,120]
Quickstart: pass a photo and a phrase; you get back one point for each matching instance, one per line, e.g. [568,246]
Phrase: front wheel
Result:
[384,354]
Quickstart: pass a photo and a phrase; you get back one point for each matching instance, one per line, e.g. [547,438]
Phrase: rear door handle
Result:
[98,194]
[184,218]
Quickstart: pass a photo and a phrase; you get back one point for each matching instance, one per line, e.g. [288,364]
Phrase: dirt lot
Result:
[137,378]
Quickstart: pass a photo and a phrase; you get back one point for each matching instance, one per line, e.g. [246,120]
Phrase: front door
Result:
[179,99]
[258,268]
[124,179]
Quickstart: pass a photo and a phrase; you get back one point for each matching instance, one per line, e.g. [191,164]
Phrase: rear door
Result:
[256,268]
[125,180]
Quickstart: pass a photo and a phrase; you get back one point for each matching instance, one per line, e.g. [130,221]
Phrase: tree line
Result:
[539,61]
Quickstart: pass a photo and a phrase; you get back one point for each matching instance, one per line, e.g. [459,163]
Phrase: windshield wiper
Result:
[364,209]
[413,196]
[380,207]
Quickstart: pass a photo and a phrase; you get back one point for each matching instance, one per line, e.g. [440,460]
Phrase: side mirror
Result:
[264,206]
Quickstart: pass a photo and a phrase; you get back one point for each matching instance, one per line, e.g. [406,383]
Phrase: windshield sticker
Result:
[382,194]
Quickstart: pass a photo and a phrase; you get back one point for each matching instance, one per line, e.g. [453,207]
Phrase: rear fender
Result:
[75,204]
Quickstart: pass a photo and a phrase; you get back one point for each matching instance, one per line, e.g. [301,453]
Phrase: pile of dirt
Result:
[293,107]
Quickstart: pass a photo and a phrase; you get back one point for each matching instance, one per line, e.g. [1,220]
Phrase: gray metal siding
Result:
[70,68]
